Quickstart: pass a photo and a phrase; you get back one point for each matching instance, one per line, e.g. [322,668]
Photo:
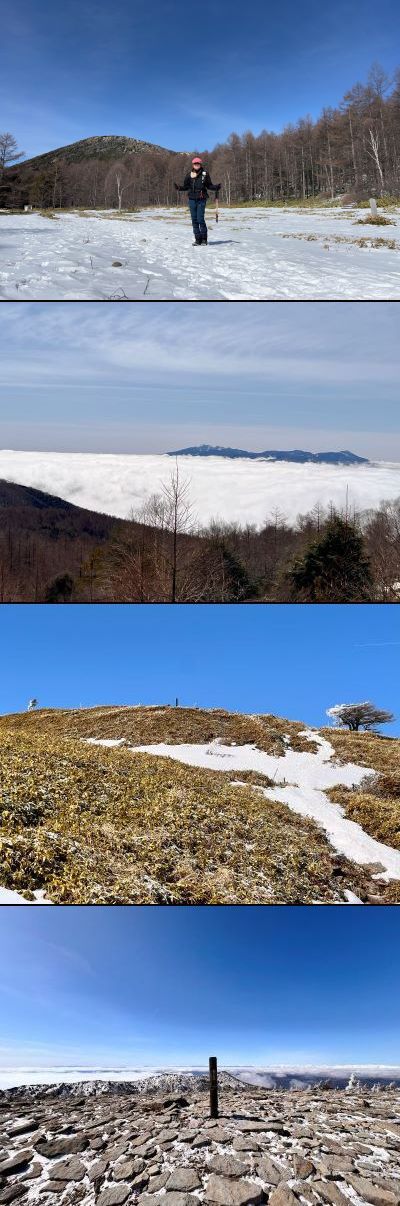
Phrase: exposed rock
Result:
[69,1145]
[229,1192]
[68,1170]
[98,1170]
[268,1171]
[245,1143]
[185,1179]
[158,1182]
[303,1167]
[329,1192]
[373,1194]
[15,1163]
[227,1166]
[12,1191]
[22,1126]
[283,1196]
[114,1195]
[126,1169]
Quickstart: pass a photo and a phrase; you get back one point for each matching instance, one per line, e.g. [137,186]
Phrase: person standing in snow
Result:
[195,185]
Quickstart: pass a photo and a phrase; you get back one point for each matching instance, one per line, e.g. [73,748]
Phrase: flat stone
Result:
[68,1170]
[227,1166]
[335,1166]
[178,1199]
[98,1169]
[303,1167]
[283,1196]
[114,1195]
[229,1192]
[373,1194]
[12,1191]
[329,1192]
[139,1140]
[184,1179]
[19,1160]
[125,1169]
[54,1186]
[114,1153]
[65,1145]
[141,1181]
[21,1126]
[170,1199]
[167,1136]
[158,1182]
[219,1135]
[147,1149]
[245,1143]
[34,1171]
[268,1171]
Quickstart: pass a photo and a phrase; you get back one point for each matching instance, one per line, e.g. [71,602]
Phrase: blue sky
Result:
[150,986]
[178,76]
[294,661]
[153,378]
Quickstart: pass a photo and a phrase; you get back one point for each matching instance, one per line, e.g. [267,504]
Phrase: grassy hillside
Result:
[96,825]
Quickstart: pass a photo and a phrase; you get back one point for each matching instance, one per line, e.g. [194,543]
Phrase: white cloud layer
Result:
[237,491]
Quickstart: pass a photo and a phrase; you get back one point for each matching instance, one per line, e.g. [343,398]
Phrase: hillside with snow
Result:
[173,805]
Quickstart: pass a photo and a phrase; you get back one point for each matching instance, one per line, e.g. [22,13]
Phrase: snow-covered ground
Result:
[8,896]
[237,491]
[302,779]
[252,253]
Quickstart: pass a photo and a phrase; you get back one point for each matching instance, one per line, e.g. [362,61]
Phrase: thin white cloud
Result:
[324,346]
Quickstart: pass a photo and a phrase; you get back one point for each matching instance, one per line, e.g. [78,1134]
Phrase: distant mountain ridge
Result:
[176,1084]
[294,456]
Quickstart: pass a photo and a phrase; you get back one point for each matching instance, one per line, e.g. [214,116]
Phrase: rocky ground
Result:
[314,1146]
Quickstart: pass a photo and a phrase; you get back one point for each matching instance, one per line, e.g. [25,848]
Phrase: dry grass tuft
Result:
[380,220]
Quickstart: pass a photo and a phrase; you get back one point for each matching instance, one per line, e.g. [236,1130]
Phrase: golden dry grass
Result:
[150,726]
[365,749]
[375,805]
[379,817]
[96,825]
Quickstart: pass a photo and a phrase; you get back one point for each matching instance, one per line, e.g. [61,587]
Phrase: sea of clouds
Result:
[237,491]
[14,1076]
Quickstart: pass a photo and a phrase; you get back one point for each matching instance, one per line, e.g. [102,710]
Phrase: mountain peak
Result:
[294,456]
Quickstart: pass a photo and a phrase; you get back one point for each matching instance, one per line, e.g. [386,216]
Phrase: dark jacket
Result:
[196,186]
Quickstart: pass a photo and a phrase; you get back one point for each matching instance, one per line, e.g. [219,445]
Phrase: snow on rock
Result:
[252,253]
[301,779]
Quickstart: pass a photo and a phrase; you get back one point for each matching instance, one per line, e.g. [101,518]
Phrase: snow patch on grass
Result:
[301,782]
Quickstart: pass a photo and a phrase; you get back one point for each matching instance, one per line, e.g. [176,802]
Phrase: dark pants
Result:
[197,211]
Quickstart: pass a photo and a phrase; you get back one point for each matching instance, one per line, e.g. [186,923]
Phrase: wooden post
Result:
[373,207]
[213,1087]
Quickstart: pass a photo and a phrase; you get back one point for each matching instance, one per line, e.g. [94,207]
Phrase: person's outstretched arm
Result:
[183,188]
[209,184]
